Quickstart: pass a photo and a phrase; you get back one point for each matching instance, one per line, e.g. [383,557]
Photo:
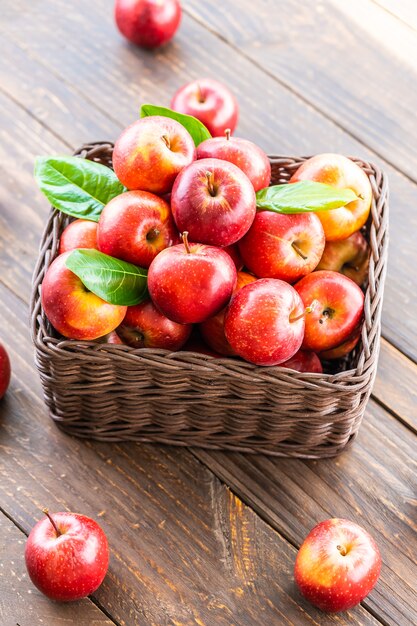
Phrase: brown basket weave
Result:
[117,393]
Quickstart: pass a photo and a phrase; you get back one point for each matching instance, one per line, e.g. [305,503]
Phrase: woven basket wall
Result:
[117,393]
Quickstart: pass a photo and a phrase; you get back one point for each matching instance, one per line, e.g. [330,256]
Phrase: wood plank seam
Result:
[394,15]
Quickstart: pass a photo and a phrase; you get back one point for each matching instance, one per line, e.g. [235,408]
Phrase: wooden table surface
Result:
[197,537]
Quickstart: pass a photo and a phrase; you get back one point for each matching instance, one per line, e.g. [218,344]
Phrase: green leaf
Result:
[196,129]
[76,186]
[303,197]
[111,279]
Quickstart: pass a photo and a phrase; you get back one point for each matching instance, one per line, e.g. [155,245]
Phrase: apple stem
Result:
[342,550]
[298,250]
[58,532]
[227,133]
[184,238]
[308,309]
[210,184]
[201,97]
[165,138]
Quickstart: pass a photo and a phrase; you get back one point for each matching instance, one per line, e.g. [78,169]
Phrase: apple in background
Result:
[264,322]
[344,348]
[212,329]
[196,344]
[304,361]
[150,153]
[67,556]
[349,256]
[339,171]
[337,312]
[148,23]
[282,246]
[243,153]
[72,309]
[337,565]
[210,102]
[145,327]
[214,201]
[78,234]
[135,227]
[114,338]
[5,370]
[191,282]
[233,252]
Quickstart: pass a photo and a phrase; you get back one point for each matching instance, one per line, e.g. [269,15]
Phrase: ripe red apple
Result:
[114,338]
[210,102]
[212,329]
[339,171]
[191,282]
[338,311]
[349,256]
[148,23]
[214,201]
[72,309]
[304,361]
[233,251]
[344,348]
[246,155]
[264,322]
[145,327]
[135,227]
[78,234]
[337,565]
[5,370]
[150,153]
[283,246]
[67,556]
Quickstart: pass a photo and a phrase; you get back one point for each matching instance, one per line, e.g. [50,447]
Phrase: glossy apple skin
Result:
[349,256]
[338,310]
[78,234]
[325,577]
[339,171]
[145,327]
[191,287]
[74,311]
[220,219]
[233,251]
[70,566]
[209,101]
[304,361]
[114,338]
[135,227]
[246,155]
[5,371]
[150,153]
[148,23]
[276,244]
[344,348]
[257,323]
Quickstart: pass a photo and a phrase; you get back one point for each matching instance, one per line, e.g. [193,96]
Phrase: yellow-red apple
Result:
[78,234]
[349,256]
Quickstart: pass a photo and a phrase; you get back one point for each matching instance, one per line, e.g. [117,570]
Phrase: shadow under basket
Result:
[117,393]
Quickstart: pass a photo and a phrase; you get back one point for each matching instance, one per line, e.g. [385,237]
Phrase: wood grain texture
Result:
[21,604]
[404,10]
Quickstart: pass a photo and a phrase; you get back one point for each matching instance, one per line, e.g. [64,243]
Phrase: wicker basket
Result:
[117,393]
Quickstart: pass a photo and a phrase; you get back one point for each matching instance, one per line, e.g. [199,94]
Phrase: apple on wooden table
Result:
[5,370]
[148,23]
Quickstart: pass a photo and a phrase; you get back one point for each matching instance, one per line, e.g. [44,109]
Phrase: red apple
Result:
[145,327]
[304,361]
[349,256]
[135,227]
[344,348]
[233,252]
[264,322]
[114,338]
[210,102]
[148,23]
[339,171]
[212,329]
[78,234]
[337,312]
[214,201]
[5,370]
[337,565]
[67,556]
[246,155]
[151,152]
[72,309]
[283,246]
[191,282]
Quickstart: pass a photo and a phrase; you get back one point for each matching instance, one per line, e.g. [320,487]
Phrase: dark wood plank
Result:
[185,550]
[21,604]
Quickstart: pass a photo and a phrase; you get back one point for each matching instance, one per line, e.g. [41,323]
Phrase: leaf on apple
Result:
[303,197]
[196,129]
[113,280]
[77,187]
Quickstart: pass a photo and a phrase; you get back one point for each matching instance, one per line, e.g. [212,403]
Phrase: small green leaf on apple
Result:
[77,187]
[303,197]
[197,130]
[113,280]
